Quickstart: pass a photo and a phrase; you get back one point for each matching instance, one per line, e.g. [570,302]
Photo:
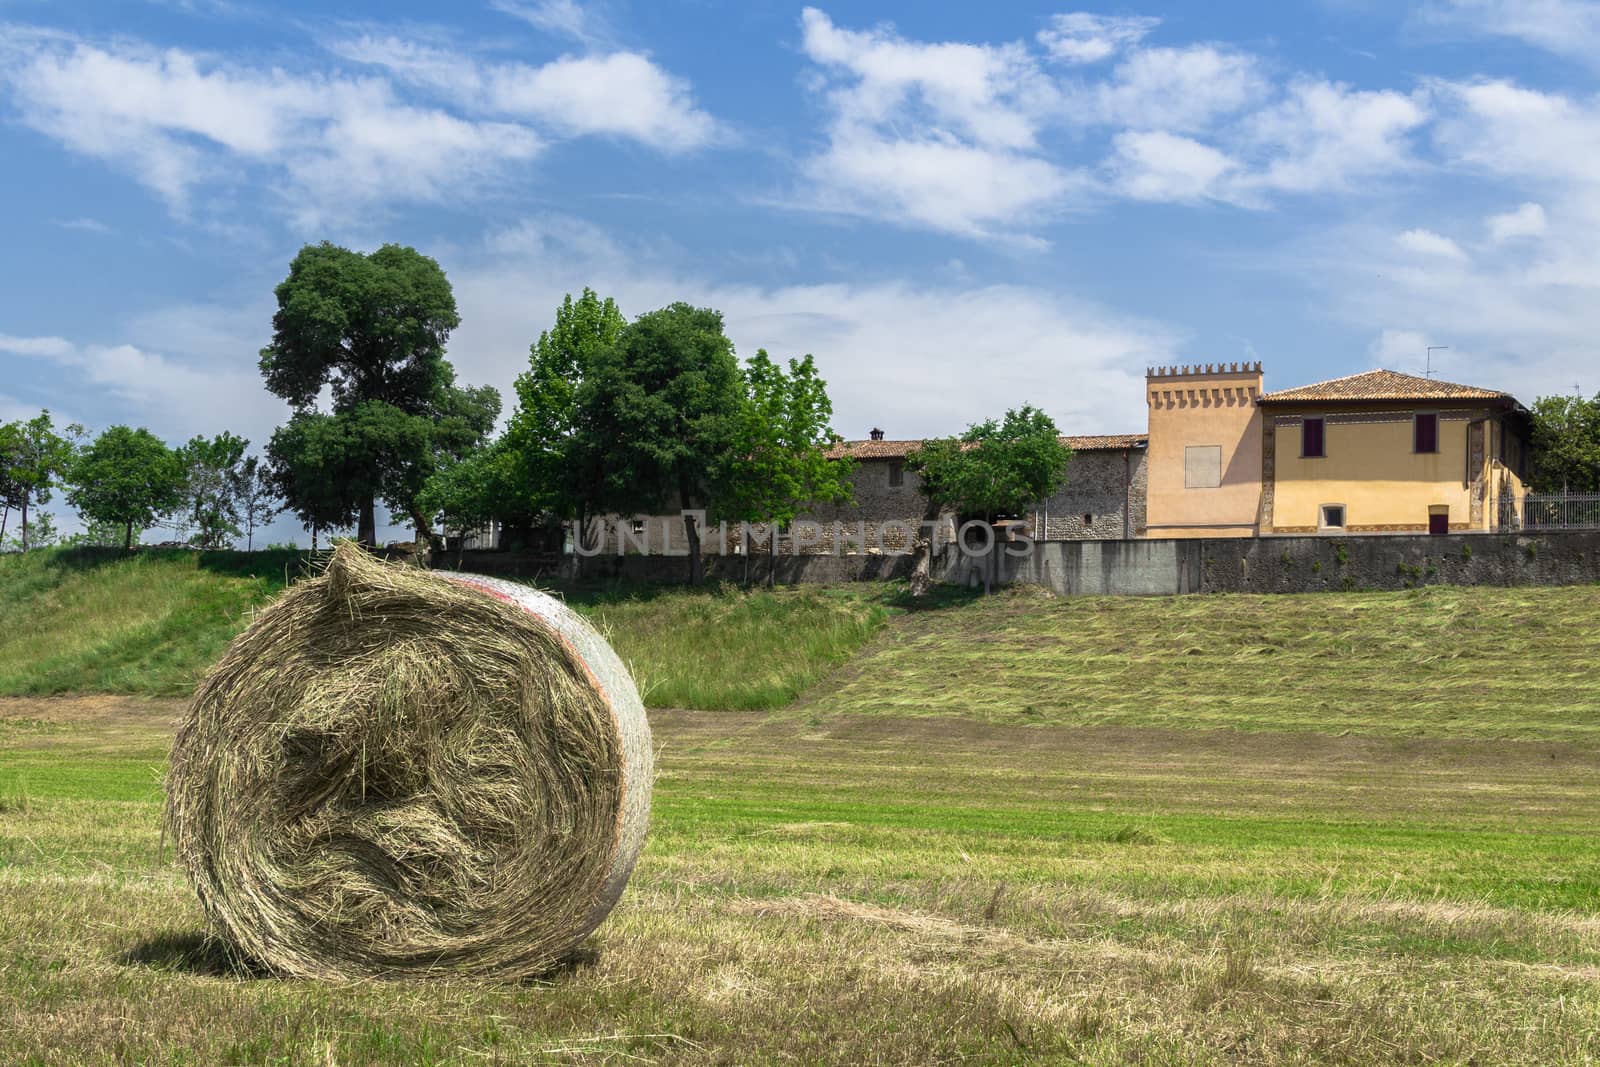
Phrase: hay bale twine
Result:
[395,772]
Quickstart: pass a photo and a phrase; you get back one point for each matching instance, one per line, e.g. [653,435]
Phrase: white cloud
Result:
[1081,37]
[1564,27]
[1526,221]
[1427,243]
[944,185]
[623,94]
[333,141]
[1176,89]
[988,94]
[1519,316]
[564,17]
[123,382]
[889,350]
[1323,135]
[938,135]
[1167,167]
[956,136]
[1505,129]
[86,225]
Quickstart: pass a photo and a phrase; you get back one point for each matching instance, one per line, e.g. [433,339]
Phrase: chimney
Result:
[877,434]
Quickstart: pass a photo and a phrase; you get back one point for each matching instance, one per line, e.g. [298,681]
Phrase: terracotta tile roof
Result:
[1107,442]
[873,449]
[1382,385]
[902,449]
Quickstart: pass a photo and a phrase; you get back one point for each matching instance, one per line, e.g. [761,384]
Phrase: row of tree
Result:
[126,480]
[611,417]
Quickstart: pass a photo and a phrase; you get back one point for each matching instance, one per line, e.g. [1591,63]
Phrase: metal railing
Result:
[1561,511]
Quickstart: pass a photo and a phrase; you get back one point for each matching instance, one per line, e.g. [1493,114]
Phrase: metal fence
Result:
[1561,511]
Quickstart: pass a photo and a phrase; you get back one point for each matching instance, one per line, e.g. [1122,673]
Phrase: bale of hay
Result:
[395,772]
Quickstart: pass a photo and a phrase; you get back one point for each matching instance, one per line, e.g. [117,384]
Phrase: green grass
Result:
[877,889]
[728,649]
[101,622]
[150,625]
[1441,661]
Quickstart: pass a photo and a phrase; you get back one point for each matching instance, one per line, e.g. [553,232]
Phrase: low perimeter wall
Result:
[1294,564]
[1144,568]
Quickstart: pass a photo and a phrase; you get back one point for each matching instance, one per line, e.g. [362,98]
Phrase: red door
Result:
[1439,525]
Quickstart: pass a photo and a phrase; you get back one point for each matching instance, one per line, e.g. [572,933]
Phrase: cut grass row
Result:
[875,889]
[1439,662]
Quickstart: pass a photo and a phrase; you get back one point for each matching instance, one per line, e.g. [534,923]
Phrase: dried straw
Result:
[393,772]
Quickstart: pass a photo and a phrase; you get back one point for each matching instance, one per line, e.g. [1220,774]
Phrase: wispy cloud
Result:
[1564,27]
[985,141]
[86,225]
[563,17]
[411,123]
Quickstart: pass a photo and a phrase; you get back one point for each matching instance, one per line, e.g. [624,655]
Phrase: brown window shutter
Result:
[1311,438]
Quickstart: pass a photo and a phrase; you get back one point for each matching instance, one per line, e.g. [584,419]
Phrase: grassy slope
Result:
[872,889]
[98,622]
[149,624]
[1439,661]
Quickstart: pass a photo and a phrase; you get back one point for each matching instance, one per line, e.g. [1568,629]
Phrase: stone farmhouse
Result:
[1378,452]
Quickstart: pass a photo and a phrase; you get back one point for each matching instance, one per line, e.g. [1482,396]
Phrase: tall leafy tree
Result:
[212,508]
[10,447]
[473,491]
[311,468]
[411,450]
[657,414]
[34,456]
[371,329]
[546,475]
[778,463]
[1566,444]
[996,468]
[255,497]
[128,477]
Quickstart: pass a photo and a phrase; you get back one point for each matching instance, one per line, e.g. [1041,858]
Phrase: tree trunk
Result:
[367,533]
[313,537]
[772,556]
[127,537]
[692,532]
[5,515]
[426,537]
[922,568]
[24,521]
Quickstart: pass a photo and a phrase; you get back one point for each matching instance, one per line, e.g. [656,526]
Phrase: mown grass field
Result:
[1440,661]
[1342,828]
[885,890]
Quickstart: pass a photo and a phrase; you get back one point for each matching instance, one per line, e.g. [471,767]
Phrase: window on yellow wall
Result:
[1202,466]
[1311,438]
[1425,432]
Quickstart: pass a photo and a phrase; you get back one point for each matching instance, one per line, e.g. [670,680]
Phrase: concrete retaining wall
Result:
[1295,564]
[1148,567]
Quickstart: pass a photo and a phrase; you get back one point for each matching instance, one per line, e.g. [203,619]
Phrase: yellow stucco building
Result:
[1379,452]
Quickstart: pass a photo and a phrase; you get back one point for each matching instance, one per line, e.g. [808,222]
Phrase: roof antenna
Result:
[1431,350]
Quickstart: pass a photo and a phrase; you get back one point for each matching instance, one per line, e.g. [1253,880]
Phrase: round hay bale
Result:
[396,772]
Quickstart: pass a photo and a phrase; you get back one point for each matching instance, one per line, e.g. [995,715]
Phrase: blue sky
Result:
[957,208]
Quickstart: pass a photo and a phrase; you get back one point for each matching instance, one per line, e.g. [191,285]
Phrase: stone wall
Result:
[1142,567]
[1293,564]
[674,570]
[1103,499]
